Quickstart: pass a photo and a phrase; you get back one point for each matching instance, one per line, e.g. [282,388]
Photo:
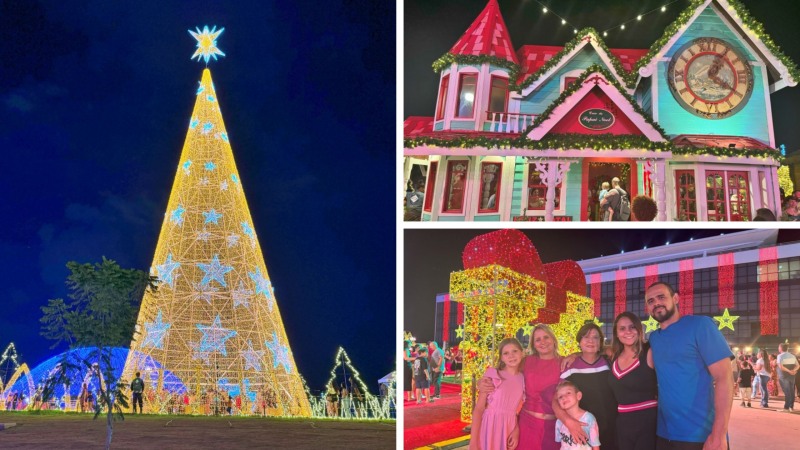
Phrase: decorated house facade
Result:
[532,133]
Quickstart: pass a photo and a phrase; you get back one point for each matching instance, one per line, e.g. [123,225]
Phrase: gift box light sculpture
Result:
[504,288]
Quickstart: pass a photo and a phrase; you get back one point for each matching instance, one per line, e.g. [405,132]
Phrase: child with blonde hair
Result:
[569,396]
[494,420]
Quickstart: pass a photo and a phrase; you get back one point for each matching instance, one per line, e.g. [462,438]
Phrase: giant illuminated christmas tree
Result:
[213,328]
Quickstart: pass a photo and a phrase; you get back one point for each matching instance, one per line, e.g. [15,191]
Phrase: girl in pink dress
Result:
[494,420]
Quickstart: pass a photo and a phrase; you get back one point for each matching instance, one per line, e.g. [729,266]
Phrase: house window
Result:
[568,81]
[686,195]
[430,186]
[727,196]
[442,97]
[455,185]
[466,95]
[537,191]
[498,97]
[490,186]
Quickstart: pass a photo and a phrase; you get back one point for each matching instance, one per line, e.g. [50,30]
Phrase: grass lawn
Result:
[57,430]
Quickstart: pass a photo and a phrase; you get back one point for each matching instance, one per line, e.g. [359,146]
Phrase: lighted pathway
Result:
[750,428]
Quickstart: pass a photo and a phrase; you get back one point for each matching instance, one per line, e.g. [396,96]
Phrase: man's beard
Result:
[666,315]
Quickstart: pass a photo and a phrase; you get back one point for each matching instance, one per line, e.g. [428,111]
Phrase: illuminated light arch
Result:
[21,370]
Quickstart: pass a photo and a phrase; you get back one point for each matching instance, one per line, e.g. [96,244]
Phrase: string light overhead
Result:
[621,26]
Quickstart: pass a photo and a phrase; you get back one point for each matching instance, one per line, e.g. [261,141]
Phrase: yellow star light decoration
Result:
[206,43]
[650,324]
[526,330]
[726,320]
[460,332]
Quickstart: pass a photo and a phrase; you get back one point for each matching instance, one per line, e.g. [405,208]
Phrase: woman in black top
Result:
[633,380]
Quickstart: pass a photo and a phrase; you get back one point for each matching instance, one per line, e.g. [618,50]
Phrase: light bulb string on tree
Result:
[638,18]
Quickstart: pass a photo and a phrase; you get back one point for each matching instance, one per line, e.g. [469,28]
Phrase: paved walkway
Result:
[749,428]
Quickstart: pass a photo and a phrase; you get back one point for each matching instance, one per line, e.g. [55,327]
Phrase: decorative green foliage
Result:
[591,70]
[746,19]
[448,58]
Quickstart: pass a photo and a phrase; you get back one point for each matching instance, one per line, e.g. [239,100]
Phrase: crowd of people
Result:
[423,369]
[789,210]
[630,396]
[760,375]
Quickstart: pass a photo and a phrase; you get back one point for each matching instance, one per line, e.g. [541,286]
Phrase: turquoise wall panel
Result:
[451,218]
[539,100]
[517,186]
[640,178]
[646,94]
[438,126]
[426,217]
[462,124]
[574,190]
[749,121]
[488,218]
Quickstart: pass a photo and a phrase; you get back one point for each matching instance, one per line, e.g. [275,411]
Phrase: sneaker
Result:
[431,400]
[419,402]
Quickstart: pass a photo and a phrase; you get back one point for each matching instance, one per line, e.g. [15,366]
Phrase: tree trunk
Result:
[109,426]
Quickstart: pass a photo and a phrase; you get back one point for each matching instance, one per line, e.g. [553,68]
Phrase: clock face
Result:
[709,78]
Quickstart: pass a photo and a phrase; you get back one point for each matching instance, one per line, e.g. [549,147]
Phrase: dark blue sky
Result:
[94,105]
[432,27]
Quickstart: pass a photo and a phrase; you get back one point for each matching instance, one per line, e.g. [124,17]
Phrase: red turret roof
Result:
[488,35]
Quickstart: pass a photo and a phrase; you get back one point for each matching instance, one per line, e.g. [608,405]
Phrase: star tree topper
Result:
[206,43]
[726,320]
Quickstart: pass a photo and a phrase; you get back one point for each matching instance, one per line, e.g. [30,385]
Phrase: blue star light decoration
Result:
[206,43]
[194,123]
[212,216]
[280,353]
[207,127]
[186,166]
[223,186]
[224,136]
[177,215]
[214,337]
[155,332]
[167,271]
[214,271]
[263,285]
[252,358]
[206,293]
[241,296]
[232,240]
[248,230]
[200,88]
[235,178]
[210,166]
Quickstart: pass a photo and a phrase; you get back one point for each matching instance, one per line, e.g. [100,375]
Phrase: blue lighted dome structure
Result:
[150,375]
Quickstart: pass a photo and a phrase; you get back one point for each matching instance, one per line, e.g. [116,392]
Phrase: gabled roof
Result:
[539,63]
[783,70]
[488,36]
[595,76]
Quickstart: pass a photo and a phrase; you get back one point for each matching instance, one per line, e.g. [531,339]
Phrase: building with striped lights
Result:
[747,273]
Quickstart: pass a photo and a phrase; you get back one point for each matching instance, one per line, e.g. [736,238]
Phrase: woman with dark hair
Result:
[633,380]
[762,369]
[589,372]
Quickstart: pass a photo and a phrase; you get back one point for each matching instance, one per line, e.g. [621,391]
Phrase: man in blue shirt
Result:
[692,362]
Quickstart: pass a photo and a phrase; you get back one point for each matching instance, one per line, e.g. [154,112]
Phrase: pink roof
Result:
[416,126]
[488,35]
[628,56]
[533,57]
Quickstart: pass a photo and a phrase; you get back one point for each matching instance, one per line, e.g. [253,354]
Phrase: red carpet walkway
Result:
[433,422]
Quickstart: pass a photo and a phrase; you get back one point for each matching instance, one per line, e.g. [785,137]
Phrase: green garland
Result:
[746,19]
[591,70]
[599,142]
[448,58]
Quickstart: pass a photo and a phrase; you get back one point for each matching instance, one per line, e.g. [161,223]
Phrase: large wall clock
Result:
[709,78]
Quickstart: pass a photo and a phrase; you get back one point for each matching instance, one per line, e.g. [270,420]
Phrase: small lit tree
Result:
[100,313]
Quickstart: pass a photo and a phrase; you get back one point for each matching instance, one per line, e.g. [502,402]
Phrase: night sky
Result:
[431,255]
[95,102]
[431,27]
